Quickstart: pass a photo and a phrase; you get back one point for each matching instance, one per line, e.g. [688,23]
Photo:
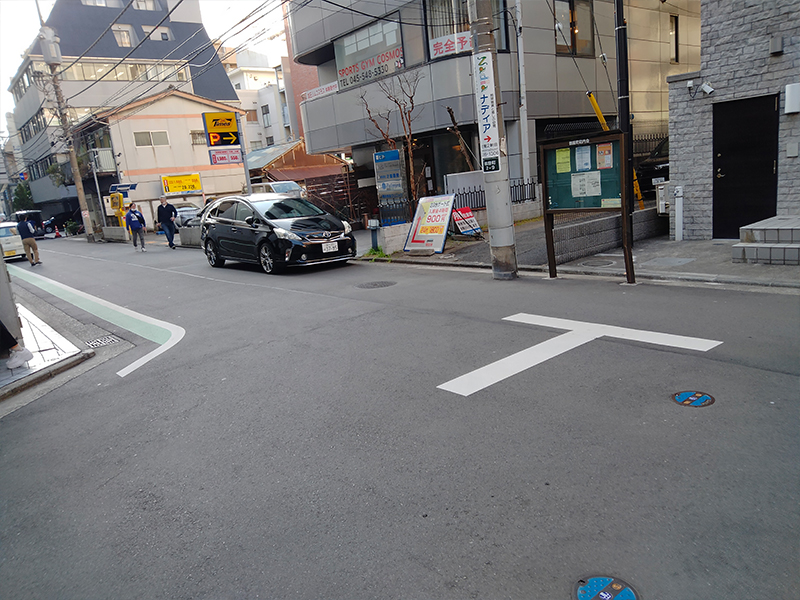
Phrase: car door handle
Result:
[234,230]
[720,174]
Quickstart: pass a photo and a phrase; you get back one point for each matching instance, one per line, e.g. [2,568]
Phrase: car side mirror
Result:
[250,221]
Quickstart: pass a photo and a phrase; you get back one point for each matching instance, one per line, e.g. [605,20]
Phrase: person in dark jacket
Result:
[135,222]
[27,231]
[166,218]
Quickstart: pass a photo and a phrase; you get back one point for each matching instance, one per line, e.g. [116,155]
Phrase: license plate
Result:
[330,247]
[657,180]
[9,253]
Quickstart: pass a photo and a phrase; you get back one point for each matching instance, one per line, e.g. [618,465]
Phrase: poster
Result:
[583,158]
[605,156]
[466,222]
[586,184]
[563,162]
[429,229]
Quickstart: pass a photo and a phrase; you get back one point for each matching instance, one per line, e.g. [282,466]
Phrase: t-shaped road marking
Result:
[579,333]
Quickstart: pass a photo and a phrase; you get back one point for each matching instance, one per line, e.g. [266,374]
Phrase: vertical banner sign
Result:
[389,176]
[429,229]
[487,112]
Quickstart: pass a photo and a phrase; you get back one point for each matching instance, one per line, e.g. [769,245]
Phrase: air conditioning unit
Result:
[661,198]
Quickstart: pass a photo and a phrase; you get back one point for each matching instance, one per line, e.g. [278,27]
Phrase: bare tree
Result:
[400,90]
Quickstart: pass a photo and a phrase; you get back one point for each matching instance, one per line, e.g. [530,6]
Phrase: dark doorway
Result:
[745,163]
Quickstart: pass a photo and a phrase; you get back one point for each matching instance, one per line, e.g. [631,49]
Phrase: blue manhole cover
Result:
[603,587]
[695,399]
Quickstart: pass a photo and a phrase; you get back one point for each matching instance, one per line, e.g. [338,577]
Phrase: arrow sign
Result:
[230,138]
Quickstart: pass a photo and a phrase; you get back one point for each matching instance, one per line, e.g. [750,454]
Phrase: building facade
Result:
[550,53]
[146,50]
[733,138]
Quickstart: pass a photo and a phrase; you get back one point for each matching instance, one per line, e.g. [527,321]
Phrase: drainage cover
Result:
[103,341]
[371,285]
[696,399]
[597,263]
[603,587]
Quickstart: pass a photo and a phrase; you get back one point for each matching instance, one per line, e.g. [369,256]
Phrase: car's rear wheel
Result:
[214,259]
[49,228]
[266,258]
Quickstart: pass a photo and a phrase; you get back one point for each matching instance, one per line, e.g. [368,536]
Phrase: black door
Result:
[745,163]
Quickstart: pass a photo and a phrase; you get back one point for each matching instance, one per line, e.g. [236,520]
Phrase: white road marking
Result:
[580,332]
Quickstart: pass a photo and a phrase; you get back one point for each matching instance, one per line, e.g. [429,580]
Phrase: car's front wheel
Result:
[266,258]
[49,229]
[214,259]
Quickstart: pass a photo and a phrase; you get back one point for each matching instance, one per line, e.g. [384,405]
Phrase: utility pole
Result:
[523,97]
[624,109]
[52,57]
[494,149]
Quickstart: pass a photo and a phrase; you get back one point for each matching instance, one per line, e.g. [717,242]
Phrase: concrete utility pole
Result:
[624,109]
[52,56]
[494,150]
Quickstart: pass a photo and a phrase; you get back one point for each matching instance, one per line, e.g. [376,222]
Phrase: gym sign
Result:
[221,129]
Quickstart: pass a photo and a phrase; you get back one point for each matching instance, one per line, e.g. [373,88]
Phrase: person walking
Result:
[166,218]
[136,225]
[18,355]
[27,231]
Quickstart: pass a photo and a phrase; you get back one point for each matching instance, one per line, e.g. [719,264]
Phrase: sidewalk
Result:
[656,259]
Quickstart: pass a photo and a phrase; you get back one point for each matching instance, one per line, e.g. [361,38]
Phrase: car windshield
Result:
[661,150]
[283,187]
[287,208]
[8,231]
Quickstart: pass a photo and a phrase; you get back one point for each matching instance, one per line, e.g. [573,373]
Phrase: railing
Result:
[475,198]
[394,213]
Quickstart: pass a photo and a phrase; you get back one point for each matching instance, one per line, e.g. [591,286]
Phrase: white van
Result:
[290,188]
[10,242]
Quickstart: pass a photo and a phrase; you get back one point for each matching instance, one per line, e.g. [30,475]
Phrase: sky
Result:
[19,24]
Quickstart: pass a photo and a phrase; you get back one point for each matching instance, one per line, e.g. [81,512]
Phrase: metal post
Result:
[242,143]
[495,169]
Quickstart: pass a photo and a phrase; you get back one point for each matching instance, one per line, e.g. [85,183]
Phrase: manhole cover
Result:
[597,263]
[371,285]
[604,588]
[695,399]
[103,341]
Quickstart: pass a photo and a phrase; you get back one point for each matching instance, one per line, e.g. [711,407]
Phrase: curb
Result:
[647,275]
[45,373]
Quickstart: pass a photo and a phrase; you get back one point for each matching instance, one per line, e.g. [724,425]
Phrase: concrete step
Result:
[770,254]
[782,229]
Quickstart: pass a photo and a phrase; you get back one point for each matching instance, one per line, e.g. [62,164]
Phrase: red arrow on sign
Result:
[488,138]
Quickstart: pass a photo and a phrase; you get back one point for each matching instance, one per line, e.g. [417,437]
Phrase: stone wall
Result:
[736,60]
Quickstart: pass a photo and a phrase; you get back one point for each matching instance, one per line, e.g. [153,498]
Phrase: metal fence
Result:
[475,198]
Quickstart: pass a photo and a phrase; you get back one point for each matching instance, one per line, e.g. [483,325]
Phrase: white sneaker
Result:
[19,358]
[143,250]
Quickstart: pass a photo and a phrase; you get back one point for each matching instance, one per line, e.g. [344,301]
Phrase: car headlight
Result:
[286,235]
[347,228]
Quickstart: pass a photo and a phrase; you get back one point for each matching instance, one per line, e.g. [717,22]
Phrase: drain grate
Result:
[694,399]
[106,340]
[371,285]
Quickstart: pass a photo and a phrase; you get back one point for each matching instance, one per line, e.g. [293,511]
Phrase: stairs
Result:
[774,241]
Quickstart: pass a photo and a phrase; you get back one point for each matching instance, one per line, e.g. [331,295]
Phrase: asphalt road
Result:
[296,443]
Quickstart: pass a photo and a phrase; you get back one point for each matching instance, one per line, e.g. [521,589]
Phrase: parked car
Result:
[60,221]
[186,212]
[274,231]
[25,215]
[10,242]
[290,188]
[654,169]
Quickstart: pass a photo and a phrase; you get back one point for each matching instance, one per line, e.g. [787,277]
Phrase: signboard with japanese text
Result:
[322,90]
[389,176]
[181,185]
[221,129]
[373,51]
[429,229]
[225,157]
[486,102]
[454,43]
[466,222]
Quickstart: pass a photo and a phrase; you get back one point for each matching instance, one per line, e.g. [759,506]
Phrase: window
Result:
[673,39]
[243,211]
[124,35]
[238,86]
[252,116]
[270,141]
[146,5]
[574,27]
[448,27]
[265,120]
[157,34]
[372,51]
[150,138]
[256,145]
[227,210]
[198,137]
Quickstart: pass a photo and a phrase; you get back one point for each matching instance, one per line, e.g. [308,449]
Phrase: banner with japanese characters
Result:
[429,229]
[483,74]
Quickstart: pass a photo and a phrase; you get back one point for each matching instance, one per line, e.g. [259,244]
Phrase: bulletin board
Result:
[583,173]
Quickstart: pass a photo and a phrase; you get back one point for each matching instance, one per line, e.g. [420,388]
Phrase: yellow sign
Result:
[221,129]
[178,185]
[563,164]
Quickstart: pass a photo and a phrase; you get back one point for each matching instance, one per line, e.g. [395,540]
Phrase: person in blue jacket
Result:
[136,225]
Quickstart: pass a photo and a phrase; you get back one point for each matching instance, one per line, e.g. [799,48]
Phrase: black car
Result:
[274,231]
[655,168]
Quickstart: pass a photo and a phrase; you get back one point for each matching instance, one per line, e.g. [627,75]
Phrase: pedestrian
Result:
[27,231]
[166,218]
[136,225]
[18,355]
